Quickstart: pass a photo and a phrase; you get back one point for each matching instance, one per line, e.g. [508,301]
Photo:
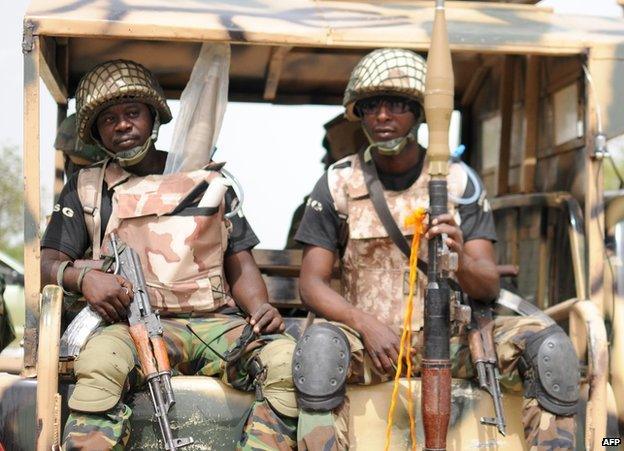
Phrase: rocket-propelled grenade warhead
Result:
[439,92]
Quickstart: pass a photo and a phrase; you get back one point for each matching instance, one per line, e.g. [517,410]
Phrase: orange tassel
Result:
[415,220]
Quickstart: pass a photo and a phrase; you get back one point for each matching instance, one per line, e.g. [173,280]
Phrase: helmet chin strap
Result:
[392,146]
[135,155]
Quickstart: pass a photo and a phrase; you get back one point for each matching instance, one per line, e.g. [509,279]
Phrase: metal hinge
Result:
[28,36]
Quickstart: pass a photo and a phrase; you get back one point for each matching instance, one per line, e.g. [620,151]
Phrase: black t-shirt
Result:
[320,225]
[67,230]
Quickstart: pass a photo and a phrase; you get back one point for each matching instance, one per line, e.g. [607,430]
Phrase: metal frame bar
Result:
[59,156]
[276,63]
[506,109]
[48,398]
[531,113]
[49,73]
[594,205]
[32,202]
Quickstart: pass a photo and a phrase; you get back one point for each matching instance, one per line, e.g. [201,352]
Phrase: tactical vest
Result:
[375,273]
[181,247]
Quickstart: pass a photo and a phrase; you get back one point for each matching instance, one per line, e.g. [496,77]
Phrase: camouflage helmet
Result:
[386,71]
[115,82]
[78,152]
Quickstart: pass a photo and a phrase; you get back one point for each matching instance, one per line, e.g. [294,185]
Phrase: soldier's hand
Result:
[266,319]
[445,224]
[107,294]
[381,343]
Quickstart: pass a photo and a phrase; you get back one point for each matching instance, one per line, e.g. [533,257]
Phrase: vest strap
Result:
[375,192]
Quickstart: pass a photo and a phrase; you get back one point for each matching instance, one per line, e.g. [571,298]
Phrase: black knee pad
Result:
[550,370]
[320,366]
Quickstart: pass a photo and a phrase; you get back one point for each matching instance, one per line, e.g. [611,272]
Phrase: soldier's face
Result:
[124,126]
[387,118]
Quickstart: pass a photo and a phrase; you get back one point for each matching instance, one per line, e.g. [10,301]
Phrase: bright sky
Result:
[275,151]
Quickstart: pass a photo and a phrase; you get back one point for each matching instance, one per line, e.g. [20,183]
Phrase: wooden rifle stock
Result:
[146,332]
[483,353]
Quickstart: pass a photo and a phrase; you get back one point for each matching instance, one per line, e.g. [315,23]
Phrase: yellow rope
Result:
[416,219]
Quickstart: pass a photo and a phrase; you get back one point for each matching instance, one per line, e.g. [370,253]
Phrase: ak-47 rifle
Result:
[146,332]
[436,363]
[481,342]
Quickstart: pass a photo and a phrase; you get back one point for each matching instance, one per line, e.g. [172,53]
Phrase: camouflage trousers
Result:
[108,367]
[542,429]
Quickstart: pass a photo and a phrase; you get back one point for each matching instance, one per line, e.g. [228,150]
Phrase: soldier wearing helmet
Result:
[197,264]
[385,94]
[79,154]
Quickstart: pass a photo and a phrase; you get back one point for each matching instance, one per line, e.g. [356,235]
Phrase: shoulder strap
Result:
[90,183]
[375,191]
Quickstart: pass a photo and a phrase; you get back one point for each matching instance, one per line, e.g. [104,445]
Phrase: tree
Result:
[11,202]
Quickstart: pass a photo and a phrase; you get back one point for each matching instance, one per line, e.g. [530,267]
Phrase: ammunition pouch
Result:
[550,370]
[320,366]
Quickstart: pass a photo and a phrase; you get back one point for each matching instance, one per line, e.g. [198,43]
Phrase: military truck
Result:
[538,96]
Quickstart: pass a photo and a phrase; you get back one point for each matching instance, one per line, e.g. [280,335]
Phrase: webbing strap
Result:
[375,192]
[97,214]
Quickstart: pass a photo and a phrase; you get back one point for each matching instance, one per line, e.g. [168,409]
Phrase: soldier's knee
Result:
[320,367]
[277,386]
[550,370]
[101,370]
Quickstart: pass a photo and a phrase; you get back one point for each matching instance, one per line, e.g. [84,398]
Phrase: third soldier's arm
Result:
[477,272]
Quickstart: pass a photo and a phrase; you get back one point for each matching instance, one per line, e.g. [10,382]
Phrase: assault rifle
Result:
[146,331]
[481,342]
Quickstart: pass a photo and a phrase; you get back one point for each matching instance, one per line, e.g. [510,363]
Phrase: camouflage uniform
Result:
[111,351]
[375,272]
[176,225]
[543,430]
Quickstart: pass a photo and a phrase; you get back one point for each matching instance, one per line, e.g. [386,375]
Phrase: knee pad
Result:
[277,384]
[101,370]
[550,370]
[320,366]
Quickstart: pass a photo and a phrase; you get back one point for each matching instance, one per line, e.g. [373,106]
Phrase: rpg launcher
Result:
[436,364]
[146,332]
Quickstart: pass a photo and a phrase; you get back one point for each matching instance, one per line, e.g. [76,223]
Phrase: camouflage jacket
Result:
[375,273]
[181,245]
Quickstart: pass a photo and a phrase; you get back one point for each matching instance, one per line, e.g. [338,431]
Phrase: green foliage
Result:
[11,202]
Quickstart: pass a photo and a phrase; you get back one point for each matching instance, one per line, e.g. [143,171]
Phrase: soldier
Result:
[79,154]
[385,93]
[196,264]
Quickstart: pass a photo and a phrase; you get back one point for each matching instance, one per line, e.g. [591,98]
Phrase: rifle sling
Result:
[375,192]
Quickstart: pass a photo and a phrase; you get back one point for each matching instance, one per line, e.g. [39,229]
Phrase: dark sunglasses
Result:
[395,105]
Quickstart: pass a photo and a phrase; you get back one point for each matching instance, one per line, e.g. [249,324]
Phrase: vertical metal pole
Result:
[32,187]
[59,156]
[594,206]
[531,114]
[506,105]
